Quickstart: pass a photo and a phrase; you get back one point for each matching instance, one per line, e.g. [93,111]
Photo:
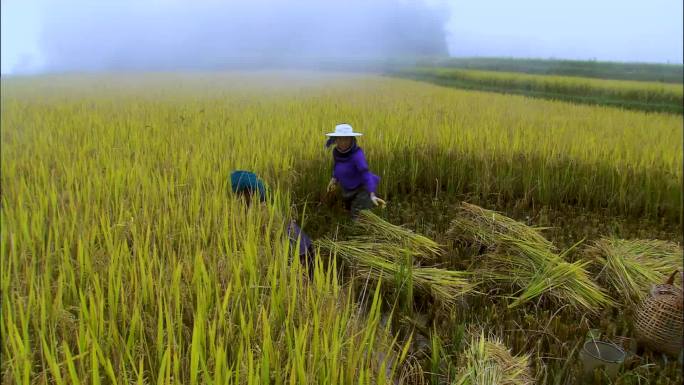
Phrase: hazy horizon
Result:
[43,36]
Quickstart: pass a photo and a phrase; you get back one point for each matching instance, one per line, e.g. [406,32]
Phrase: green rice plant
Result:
[487,361]
[628,267]
[133,301]
[446,286]
[436,351]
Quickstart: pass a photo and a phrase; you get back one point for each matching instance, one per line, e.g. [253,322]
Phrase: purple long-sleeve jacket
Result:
[352,172]
[296,234]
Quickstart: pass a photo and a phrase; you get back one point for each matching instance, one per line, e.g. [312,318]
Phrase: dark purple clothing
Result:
[352,172]
[295,234]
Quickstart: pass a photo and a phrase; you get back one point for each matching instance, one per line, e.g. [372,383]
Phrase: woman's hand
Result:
[377,201]
[332,185]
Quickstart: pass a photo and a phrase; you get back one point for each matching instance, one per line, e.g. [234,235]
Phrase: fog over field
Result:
[79,35]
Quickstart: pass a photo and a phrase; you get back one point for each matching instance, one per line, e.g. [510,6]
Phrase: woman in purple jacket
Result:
[350,170]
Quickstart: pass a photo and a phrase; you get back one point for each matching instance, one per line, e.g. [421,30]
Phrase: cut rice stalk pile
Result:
[628,268]
[379,229]
[390,252]
[564,282]
[444,285]
[520,258]
[489,362]
[479,226]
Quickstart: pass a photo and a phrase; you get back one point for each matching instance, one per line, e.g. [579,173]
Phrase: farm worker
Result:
[247,184]
[306,250]
[350,170]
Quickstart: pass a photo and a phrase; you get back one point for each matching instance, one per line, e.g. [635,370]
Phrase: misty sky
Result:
[53,35]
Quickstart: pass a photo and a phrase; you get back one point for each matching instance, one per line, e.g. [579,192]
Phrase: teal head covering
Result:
[246,182]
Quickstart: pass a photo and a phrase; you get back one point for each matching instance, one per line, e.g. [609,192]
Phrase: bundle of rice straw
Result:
[628,268]
[378,229]
[521,258]
[562,282]
[379,261]
[488,228]
[488,361]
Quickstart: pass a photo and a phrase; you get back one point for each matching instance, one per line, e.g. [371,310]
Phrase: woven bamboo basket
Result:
[658,321]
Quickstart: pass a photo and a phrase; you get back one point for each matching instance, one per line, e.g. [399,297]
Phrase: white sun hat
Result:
[344,130]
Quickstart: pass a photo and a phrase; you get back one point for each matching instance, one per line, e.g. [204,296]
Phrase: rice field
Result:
[639,95]
[648,72]
[126,259]
[628,89]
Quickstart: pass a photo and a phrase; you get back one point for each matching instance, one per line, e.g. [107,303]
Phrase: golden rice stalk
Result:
[388,251]
[487,361]
[564,282]
[628,268]
[523,260]
[488,228]
[560,281]
[379,229]
[444,285]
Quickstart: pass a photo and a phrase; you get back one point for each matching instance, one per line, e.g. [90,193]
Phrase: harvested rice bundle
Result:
[521,258]
[488,228]
[562,282]
[488,361]
[444,285]
[383,230]
[628,268]
[388,251]
[565,282]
